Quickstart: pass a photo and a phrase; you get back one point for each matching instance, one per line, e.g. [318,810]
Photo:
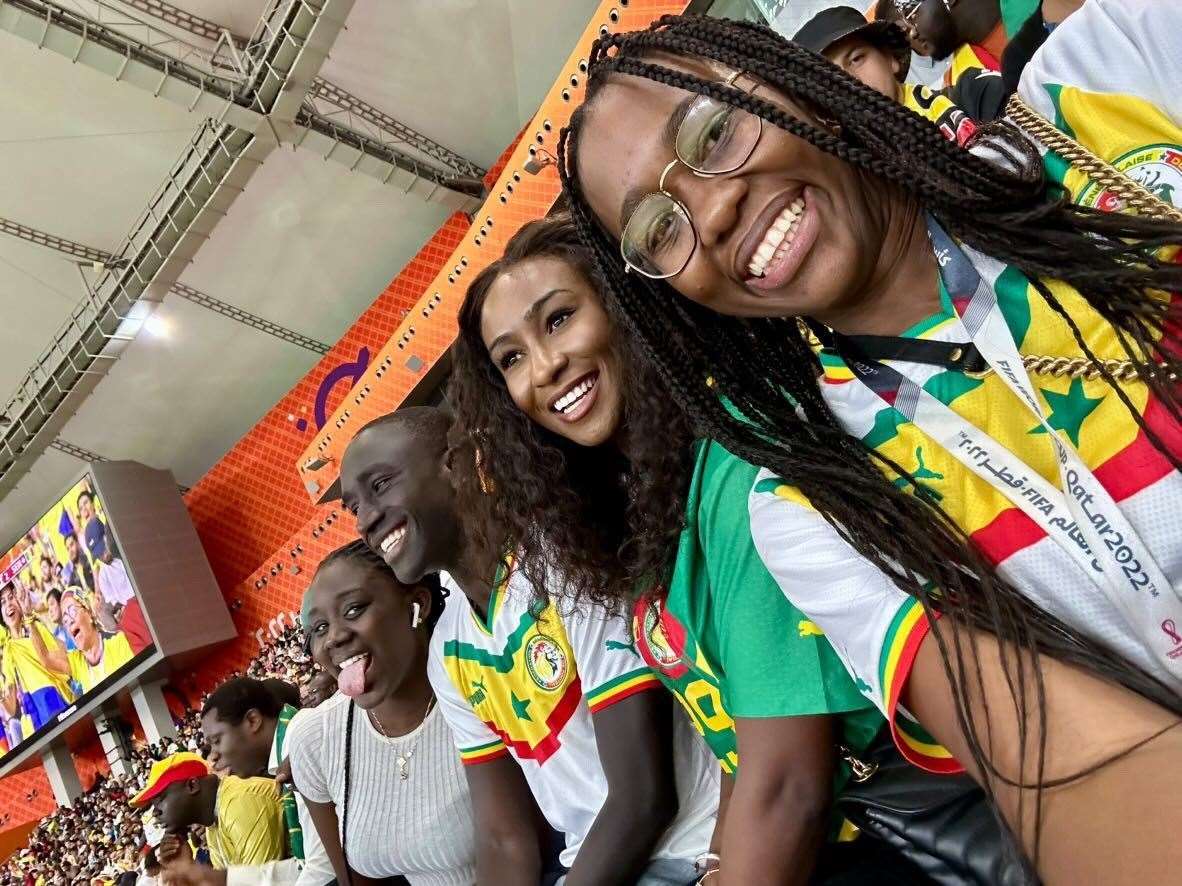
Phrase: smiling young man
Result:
[530,688]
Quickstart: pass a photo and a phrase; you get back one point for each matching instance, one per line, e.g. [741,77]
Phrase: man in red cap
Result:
[242,817]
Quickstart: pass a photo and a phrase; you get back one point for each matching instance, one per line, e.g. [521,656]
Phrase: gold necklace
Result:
[403,758]
[1056,367]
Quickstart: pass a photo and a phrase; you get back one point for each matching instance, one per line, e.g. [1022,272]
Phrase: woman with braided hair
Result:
[989,548]
[589,444]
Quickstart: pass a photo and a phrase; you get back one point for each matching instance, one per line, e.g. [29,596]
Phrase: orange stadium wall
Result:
[256,511]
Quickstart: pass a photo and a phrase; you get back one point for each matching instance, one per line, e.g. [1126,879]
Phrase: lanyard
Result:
[1081,517]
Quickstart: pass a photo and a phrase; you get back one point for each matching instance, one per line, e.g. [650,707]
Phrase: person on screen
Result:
[78,573]
[50,576]
[42,693]
[10,708]
[93,527]
[53,611]
[97,654]
[111,575]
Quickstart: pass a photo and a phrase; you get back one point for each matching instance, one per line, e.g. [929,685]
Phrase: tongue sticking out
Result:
[351,682]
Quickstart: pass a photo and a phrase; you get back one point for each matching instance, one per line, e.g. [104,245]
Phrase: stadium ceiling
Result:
[249,174]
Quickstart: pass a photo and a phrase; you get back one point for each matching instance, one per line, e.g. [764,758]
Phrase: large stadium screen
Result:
[72,621]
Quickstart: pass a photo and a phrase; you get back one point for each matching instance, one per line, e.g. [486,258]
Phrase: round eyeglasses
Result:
[712,139]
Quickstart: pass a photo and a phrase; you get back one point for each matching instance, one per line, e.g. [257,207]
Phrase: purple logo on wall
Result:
[351,371]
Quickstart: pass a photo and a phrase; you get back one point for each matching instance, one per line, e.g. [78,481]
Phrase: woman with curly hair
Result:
[588,445]
[833,291]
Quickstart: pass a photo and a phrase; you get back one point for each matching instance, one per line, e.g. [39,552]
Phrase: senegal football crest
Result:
[652,635]
[546,662]
[1157,168]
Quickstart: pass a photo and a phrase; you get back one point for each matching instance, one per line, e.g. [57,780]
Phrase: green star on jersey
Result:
[1068,411]
[520,706]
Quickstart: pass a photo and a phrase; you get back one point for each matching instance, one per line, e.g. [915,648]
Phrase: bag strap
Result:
[1133,194]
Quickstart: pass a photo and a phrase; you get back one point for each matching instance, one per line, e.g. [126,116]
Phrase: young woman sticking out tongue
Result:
[376,763]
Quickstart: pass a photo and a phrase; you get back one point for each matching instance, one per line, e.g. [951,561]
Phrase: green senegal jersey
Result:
[724,638]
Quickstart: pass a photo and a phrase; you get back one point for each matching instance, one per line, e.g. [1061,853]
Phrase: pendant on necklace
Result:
[403,765]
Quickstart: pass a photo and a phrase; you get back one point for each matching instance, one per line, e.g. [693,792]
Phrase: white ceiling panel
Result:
[310,245]
[81,153]
[454,69]
[181,399]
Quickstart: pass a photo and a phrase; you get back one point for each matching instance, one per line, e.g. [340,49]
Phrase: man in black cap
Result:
[878,54]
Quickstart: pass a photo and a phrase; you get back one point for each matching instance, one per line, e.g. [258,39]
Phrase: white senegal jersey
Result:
[527,681]
[1110,76]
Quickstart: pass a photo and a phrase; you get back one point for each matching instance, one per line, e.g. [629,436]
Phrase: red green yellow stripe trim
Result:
[483,753]
[620,688]
[907,631]
[500,583]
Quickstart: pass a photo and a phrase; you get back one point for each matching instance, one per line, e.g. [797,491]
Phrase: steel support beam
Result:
[76,451]
[85,455]
[366,155]
[98,256]
[133,52]
[328,99]
[248,319]
[261,88]
[197,193]
[186,21]
[49,241]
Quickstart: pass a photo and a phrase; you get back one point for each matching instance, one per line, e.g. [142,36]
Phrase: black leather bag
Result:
[941,823]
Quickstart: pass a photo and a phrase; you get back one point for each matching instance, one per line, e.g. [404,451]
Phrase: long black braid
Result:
[707,359]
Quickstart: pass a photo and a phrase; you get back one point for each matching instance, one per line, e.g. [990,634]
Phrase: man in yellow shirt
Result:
[243,818]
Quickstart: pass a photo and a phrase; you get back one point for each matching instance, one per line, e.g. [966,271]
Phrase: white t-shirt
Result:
[420,828]
[113,582]
[315,869]
[527,683]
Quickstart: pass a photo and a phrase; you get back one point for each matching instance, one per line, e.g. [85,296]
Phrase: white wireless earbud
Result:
[415,619]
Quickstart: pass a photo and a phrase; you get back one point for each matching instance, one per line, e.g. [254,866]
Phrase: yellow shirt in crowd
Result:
[250,828]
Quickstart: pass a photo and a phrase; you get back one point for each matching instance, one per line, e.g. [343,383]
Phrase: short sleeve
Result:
[303,746]
[775,661]
[874,627]
[609,666]
[475,741]
[840,592]
[1111,47]
[79,672]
